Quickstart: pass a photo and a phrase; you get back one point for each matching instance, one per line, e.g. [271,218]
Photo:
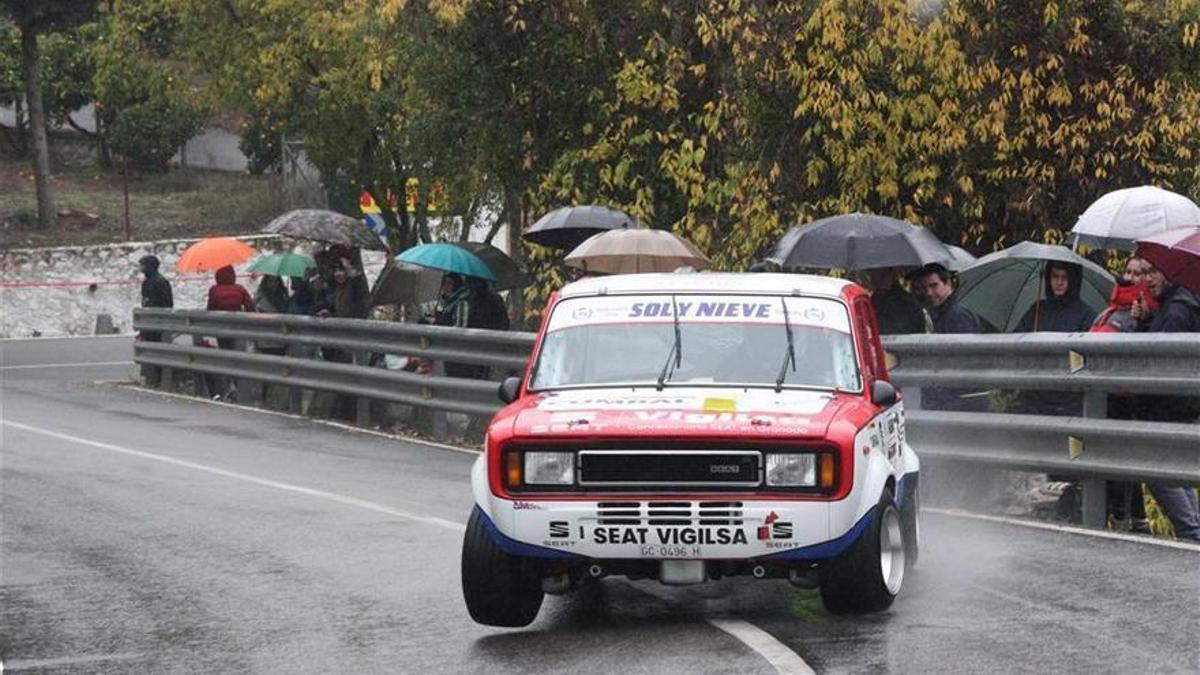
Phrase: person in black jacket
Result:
[934,283]
[897,312]
[1178,312]
[1061,310]
[156,292]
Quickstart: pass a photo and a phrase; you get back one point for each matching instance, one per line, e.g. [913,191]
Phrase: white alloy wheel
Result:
[891,550]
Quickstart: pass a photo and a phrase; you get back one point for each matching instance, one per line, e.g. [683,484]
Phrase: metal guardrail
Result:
[1089,446]
[436,343]
[1108,362]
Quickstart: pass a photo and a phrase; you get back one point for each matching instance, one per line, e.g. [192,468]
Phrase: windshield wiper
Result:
[790,354]
[676,350]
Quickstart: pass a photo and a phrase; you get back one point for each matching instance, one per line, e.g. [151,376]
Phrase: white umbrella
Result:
[961,258]
[633,251]
[1121,216]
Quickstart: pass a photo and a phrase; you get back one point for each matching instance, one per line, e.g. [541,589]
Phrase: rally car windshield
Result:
[718,340]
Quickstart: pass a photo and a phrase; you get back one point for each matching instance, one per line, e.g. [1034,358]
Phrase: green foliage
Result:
[262,143]
[148,107]
[10,63]
[48,15]
[148,133]
[68,67]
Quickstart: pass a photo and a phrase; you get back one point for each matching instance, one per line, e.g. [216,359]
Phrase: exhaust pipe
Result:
[803,578]
[557,584]
[595,571]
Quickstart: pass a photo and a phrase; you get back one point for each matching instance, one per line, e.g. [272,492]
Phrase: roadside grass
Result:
[182,202]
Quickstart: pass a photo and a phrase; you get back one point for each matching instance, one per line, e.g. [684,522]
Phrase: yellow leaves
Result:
[451,11]
[1191,34]
[966,184]
[389,10]
[1050,13]
[375,71]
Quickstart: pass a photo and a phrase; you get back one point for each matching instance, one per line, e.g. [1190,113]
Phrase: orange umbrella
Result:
[213,254]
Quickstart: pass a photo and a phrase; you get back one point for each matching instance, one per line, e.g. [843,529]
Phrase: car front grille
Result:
[670,468]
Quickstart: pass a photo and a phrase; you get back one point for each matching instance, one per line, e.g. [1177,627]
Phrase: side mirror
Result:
[883,394]
[509,388]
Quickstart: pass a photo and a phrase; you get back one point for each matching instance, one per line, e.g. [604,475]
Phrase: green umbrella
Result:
[1001,287]
[283,264]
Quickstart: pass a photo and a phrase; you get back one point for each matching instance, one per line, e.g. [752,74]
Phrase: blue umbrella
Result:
[447,258]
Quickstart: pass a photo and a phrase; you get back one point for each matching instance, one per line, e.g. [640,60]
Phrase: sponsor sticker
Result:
[633,309]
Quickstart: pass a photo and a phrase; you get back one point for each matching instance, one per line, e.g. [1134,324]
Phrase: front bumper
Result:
[669,530]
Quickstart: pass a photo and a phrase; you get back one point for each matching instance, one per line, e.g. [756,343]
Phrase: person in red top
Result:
[227,295]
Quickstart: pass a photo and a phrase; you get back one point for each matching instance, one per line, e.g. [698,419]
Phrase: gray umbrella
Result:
[570,226]
[1001,287]
[327,226]
[859,241]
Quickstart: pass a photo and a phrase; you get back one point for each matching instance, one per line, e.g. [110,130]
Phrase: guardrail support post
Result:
[199,379]
[1095,490]
[362,405]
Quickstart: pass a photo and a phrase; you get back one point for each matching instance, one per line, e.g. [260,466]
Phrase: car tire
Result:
[500,589]
[867,576]
[910,523]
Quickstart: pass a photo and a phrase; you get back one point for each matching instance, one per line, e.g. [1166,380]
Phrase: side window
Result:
[868,337]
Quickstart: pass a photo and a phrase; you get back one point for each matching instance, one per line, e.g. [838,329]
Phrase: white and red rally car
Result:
[686,427]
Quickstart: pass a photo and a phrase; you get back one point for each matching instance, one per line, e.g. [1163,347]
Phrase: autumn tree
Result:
[986,121]
[32,18]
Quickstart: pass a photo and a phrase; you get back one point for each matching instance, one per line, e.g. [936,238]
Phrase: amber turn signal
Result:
[826,470]
[512,469]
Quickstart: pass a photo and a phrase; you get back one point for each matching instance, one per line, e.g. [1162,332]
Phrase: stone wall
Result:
[60,291]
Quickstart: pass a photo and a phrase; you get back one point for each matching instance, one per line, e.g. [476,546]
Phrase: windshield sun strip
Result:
[537,361]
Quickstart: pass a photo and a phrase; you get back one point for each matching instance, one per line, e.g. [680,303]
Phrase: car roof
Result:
[707,282]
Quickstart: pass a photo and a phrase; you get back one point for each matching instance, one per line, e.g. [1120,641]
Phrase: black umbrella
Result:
[401,283]
[570,226]
[507,272]
[327,226]
[859,241]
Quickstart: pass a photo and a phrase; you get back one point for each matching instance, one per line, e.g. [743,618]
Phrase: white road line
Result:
[780,656]
[287,487]
[784,660]
[1068,529]
[39,664]
[87,364]
[43,340]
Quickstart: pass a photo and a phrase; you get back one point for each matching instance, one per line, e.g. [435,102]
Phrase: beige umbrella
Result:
[634,251]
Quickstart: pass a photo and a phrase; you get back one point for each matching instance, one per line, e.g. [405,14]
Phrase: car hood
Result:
[712,414]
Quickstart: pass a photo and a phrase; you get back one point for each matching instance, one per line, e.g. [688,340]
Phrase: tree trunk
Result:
[47,215]
[514,205]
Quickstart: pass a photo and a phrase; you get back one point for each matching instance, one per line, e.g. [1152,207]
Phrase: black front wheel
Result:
[500,589]
[868,575]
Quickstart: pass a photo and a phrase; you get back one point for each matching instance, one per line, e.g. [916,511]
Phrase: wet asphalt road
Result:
[148,534]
